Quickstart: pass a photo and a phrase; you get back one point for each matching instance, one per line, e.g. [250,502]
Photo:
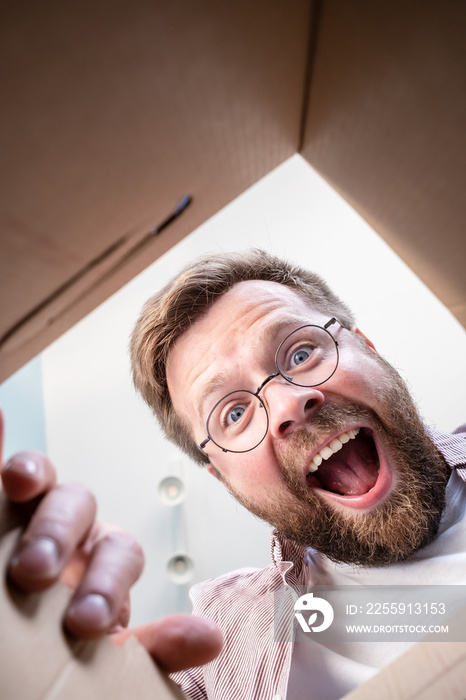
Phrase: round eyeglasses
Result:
[307,357]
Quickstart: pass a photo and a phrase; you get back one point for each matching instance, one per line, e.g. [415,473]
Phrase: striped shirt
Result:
[252,665]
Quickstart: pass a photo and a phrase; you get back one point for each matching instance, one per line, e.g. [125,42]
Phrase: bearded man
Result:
[256,370]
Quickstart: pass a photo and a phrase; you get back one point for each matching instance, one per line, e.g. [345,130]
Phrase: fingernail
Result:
[37,559]
[22,464]
[92,611]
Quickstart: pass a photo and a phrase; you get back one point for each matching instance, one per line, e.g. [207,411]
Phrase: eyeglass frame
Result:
[268,379]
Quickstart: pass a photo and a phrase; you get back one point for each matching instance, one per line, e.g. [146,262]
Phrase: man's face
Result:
[378,496]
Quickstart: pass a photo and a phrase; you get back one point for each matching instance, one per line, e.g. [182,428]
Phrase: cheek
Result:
[251,472]
[357,380]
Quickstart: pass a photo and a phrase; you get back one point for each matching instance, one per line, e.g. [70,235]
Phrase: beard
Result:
[406,521]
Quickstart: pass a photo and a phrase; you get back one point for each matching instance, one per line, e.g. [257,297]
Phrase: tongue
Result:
[352,471]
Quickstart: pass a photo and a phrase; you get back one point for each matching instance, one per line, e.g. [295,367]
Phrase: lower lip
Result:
[376,495]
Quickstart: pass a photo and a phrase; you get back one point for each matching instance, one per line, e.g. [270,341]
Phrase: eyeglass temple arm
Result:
[204,443]
[331,322]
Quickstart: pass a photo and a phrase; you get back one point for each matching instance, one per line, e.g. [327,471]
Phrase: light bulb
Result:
[171,491]
[180,568]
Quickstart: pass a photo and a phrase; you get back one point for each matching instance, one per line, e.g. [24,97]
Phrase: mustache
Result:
[329,418]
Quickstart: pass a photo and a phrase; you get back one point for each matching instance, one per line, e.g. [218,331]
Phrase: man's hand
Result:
[62,539]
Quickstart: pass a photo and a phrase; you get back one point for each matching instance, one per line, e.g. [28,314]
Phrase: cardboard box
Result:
[112,113]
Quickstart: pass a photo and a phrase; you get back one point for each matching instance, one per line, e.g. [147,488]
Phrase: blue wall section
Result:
[22,402]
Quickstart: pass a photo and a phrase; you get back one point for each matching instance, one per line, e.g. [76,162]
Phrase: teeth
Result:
[316,462]
[334,446]
[326,452]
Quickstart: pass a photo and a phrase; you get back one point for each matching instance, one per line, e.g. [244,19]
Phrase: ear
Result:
[212,471]
[365,338]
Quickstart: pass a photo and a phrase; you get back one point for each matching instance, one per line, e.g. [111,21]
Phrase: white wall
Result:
[99,432]
[22,403]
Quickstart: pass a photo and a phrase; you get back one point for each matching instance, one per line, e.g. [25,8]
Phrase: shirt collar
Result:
[287,555]
[452,447]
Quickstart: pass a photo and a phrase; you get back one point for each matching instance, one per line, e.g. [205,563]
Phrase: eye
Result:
[301,355]
[234,414]
[238,422]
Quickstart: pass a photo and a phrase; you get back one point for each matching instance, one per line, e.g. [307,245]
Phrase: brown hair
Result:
[188,297]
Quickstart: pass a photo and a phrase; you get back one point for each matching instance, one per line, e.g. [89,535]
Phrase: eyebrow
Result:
[275,329]
[220,380]
[268,334]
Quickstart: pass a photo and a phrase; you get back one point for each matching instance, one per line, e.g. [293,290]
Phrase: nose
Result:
[290,407]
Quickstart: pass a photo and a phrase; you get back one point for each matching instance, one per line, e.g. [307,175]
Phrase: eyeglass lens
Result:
[239,421]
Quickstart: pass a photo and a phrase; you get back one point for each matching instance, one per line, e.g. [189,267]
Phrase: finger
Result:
[177,642]
[102,598]
[10,518]
[27,475]
[60,523]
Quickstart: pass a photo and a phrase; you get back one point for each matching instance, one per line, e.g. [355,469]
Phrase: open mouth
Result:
[348,469]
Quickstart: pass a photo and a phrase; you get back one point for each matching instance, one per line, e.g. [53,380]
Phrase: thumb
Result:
[177,642]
